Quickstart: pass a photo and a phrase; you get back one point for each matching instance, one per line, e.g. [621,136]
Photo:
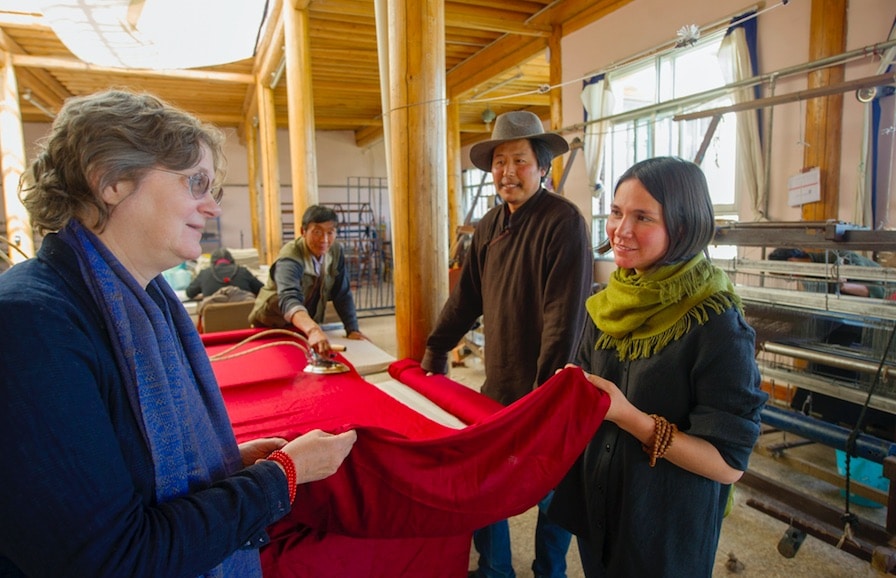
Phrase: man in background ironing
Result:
[308,273]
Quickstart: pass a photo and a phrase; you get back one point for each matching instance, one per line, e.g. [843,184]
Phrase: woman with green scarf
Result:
[668,342]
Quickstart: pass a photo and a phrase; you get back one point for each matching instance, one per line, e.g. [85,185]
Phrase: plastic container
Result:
[865,472]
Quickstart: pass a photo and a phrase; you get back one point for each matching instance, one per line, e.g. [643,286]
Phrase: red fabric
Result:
[456,398]
[411,491]
[298,553]
[462,480]
[267,393]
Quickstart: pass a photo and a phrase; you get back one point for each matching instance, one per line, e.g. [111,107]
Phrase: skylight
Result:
[157,34]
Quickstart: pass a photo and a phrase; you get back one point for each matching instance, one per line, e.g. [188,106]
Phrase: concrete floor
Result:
[749,535]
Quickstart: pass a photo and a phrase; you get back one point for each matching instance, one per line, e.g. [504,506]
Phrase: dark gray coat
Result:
[664,521]
[528,274]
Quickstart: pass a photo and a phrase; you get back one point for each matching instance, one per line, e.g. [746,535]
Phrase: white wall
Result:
[338,159]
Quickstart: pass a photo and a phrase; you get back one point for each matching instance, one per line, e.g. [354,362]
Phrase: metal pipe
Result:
[278,73]
[30,98]
[849,85]
[867,447]
[828,359]
[670,107]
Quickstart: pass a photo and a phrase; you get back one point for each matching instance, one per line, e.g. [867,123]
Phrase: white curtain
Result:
[863,212]
[598,101]
[734,60]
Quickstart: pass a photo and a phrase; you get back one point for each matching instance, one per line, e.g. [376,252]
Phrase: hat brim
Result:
[481,152]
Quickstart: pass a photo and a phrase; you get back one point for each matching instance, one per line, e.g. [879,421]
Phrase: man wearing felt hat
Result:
[528,273]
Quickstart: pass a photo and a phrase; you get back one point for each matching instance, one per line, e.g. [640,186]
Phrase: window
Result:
[478,194]
[644,86]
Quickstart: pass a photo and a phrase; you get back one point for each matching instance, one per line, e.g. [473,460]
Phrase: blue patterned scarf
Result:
[164,367]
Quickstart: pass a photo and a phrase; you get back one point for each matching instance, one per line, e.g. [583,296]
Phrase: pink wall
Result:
[783,42]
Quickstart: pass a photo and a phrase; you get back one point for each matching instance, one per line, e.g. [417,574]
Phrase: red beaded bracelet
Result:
[290,468]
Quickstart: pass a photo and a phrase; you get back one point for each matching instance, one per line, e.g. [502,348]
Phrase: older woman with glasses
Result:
[120,457]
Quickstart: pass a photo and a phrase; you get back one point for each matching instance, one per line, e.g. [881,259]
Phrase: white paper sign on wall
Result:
[804,188]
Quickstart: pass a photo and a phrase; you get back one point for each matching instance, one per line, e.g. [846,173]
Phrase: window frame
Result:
[638,127]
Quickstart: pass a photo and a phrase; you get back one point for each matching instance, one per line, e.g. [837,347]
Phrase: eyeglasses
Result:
[200,184]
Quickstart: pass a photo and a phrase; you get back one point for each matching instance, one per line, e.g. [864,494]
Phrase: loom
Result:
[828,361]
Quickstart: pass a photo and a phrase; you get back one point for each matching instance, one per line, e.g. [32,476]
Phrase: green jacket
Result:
[293,283]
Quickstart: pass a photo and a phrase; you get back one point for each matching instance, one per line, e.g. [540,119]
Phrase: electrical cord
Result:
[226,354]
[849,518]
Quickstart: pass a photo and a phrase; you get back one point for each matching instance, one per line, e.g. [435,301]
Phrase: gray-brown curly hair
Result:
[107,137]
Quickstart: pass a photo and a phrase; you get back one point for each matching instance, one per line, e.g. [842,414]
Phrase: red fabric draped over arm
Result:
[393,487]
[409,482]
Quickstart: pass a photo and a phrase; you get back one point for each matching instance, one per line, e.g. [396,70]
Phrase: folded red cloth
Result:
[391,486]
[457,399]
[411,491]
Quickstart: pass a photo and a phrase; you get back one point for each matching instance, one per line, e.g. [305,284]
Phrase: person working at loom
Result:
[843,285]
[668,342]
[528,273]
[121,459]
[308,273]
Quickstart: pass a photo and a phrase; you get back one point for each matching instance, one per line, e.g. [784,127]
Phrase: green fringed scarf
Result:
[639,314]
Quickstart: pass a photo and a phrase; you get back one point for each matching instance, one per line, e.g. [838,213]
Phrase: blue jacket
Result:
[77,493]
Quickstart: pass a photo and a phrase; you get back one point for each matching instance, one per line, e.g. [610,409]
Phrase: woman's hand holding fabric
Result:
[621,412]
[318,454]
[619,405]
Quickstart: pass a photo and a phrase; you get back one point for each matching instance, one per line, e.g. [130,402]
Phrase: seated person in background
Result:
[846,287]
[223,272]
[308,273]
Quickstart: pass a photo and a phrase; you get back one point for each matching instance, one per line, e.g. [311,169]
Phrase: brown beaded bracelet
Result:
[663,436]
[289,467]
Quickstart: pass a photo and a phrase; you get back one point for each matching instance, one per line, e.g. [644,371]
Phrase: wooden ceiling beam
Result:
[365,25]
[267,57]
[518,100]
[334,120]
[337,83]
[342,8]
[491,62]
[512,50]
[49,91]
[573,15]
[57,63]
[20,20]
[501,25]
[369,135]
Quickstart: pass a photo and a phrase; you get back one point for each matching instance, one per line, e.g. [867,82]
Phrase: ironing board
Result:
[407,499]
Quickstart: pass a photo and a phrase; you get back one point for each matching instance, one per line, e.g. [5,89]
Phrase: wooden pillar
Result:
[418,158]
[302,155]
[824,115]
[455,170]
[12,152]
[250,130]
[556,95]
[267,134]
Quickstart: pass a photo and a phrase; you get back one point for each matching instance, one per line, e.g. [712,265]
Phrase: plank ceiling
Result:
[493,48]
